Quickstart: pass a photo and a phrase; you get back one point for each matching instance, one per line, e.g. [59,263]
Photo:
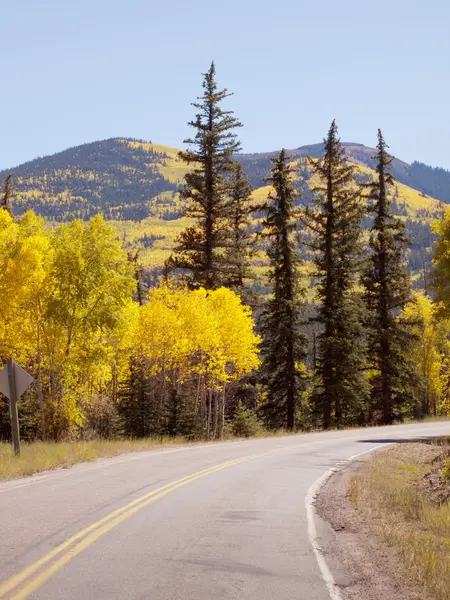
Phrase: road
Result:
[219,521]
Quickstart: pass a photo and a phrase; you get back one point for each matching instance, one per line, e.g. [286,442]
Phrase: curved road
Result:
[220,521]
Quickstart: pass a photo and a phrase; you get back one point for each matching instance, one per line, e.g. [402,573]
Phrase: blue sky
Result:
[78,71]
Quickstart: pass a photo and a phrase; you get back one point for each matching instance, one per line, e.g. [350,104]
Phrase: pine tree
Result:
[387,292]
[334,224]
[137,407]
[8,194]
[200,249]
[237,263]
[284,346]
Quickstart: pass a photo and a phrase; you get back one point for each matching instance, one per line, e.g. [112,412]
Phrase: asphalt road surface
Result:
[220,521]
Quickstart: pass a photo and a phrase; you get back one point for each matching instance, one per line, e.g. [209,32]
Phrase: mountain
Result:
[128,179]
[116,177]
[135,184]
[432,181]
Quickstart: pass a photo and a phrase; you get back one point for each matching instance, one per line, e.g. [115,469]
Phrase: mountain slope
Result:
[130,180]
[136,183]
[432,181]
[117,177]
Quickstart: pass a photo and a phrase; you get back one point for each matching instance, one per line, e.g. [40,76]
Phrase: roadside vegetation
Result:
[43,456]
[405,493]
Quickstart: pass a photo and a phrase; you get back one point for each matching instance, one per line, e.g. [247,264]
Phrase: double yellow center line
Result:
[35,575]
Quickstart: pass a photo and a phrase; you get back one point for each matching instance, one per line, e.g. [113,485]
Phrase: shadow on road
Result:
[439,439]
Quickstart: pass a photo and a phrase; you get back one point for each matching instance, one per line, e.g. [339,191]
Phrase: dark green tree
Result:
[241,248]
[8,194]
[138,408]
[387,291]
[333,222]
[200,249]
[133,258]
[284,346]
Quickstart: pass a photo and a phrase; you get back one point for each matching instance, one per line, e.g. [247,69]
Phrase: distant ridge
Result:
[131,179]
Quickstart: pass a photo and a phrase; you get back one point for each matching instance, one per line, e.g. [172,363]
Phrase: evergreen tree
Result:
[240,247]
[137,273]
[283,346]
[387,292]
[334,224]
[8,193]
[200,249]
[138,407]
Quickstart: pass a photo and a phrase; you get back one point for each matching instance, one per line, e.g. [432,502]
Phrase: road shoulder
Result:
[363,568]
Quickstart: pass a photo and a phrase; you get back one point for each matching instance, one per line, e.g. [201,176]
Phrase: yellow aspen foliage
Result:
[235,333]
[204,333]
[122,338]
[431,353]
[66,314]
[93,284]
[25,261]
[441,262]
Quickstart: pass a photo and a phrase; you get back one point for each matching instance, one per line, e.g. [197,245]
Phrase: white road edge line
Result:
[327,576]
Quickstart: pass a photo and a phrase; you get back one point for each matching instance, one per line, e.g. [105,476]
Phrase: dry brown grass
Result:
[387,489]
[43,456]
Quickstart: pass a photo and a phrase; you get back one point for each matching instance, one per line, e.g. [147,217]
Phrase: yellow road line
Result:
[15,580]
[102,526]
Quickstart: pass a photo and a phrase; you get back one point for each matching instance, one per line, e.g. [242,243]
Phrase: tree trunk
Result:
[39,382]
[222,423]
[208,415]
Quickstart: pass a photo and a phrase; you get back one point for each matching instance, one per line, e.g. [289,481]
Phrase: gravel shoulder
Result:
[363,567]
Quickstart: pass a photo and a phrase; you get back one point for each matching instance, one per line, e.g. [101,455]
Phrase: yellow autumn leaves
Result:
[67,315]
[198,333]
[431,353]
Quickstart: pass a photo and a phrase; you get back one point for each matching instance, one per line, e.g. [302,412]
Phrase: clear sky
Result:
[75,71]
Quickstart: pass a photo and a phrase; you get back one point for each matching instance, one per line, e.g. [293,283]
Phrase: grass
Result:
[428,419]
[388,490]
[43,456]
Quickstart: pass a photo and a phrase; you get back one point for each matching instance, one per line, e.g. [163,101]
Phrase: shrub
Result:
[245,422]
[446,471]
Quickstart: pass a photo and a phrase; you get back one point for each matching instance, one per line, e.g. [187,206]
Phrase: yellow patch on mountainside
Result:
[260,195]
[412,200]
[416,206]
[131,233]
[150,147]
[171,167]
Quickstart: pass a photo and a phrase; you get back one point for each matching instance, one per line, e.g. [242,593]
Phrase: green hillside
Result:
[136,183]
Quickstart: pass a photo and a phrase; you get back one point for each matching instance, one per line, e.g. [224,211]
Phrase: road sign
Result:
[23,381]
[13,382]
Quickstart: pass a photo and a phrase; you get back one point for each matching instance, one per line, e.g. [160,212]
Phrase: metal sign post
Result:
[13,399]
[13,382]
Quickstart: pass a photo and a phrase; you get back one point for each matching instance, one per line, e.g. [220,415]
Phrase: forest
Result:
[289,307]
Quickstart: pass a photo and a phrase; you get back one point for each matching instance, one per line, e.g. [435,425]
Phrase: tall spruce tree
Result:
[284,345]
[138,408]
[237,263]
[200,249]
[8,193]
[387,291]
[334,224]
